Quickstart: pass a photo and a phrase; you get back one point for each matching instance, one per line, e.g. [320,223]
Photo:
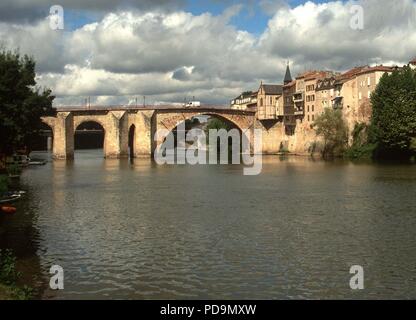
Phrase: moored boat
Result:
[9,197]
[8,209]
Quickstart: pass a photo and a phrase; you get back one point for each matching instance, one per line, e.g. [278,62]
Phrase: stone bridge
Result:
[135,127]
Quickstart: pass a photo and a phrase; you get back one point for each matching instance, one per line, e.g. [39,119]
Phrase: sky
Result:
[170,51]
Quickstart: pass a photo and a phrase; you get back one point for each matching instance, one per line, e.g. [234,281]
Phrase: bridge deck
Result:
[163,108]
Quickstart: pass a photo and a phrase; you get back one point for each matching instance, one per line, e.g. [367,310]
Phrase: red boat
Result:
[9,210]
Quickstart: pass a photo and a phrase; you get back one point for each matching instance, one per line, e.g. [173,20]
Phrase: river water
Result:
[143,231]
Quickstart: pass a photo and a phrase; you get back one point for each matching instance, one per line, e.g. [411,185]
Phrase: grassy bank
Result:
[10,288]
[3,183]
[9,278]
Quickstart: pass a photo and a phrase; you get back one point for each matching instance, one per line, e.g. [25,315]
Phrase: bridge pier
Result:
[142,136]
[63,130]
[116,135]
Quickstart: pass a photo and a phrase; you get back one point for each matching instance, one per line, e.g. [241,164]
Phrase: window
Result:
[308,118]
[369,81]
[313,108]
[310,87]
[313,117]
[308,108]
[261,102]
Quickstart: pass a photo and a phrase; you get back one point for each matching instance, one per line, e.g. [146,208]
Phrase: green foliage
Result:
[8,273]
[4,182]
[218,124]
[190,123]
[14,169]
[365,151]
[413,145]
[331,126]
[9,277]
[393,123]
[22,103]
[361,148]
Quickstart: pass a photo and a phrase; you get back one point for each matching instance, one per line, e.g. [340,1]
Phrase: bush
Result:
[332,127]
[8,273]
[4,181]
[9,277]
[361,148]
[14,169]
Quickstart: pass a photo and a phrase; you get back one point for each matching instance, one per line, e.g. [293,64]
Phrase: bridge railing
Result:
[149,107]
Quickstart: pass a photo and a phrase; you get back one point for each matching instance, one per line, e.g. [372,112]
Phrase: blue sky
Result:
[251,18]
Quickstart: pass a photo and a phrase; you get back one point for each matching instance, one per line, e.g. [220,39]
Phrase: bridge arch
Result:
[170,120]
[89,133]
[43,141]
[132,141]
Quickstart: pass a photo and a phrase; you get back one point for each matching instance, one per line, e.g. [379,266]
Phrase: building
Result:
[299,102]
[306,98]
[246,100]
[412,64]
[269,101]
[350,92]
[289,119]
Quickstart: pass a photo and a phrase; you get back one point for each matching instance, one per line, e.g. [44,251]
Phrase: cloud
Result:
[320,34]
[169,55]
[30,10]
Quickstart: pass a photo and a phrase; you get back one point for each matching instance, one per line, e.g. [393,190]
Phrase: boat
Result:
[9,197]
[8,209]
[37,162]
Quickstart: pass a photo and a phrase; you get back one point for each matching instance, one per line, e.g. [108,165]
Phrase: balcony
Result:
[299,111]
[298,97]
[338,103]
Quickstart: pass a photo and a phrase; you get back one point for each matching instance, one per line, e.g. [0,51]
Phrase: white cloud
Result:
[169,55]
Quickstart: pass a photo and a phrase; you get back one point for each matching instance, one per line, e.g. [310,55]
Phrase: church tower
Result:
[288,76]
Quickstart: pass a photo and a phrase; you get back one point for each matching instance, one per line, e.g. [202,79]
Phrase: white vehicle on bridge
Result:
[191,104]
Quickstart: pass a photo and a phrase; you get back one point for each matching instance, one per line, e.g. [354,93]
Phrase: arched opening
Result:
[132,132]
[205,122]
[89,136]
[44,140]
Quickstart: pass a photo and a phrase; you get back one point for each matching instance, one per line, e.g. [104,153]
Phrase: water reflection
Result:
[136,230]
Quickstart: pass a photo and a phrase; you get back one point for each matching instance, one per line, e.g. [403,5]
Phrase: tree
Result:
[22,103]
[218,124]
[332,127]
[393,123]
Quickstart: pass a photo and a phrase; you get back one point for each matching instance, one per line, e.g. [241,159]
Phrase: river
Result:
[142,231]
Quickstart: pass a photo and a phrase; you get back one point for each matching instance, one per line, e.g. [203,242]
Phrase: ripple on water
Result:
[141,231]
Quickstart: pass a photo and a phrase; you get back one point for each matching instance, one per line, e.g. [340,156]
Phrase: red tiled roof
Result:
[307,74]
[317,74]
[413,61]
[351,73]
[290,84]
[362,70]
[376,68]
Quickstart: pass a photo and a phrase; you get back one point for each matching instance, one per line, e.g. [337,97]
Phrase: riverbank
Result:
[11,278]
[6,293]
[16,281]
